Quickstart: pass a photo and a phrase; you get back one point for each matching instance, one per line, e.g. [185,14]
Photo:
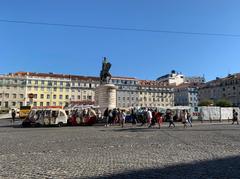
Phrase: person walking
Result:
[106,116]
[13,115]
[122,117]
[189,118]
[235,117]
[184,118]
[133,116]
[159,118]
[149,117]
[169,117]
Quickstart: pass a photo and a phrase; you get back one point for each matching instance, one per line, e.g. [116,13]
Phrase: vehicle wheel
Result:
[60,124]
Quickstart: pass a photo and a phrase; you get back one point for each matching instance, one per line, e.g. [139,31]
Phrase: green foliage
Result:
[220,103]
[206,103]
[223,103]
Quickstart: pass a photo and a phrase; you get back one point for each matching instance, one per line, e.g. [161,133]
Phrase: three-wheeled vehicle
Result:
[83,115]
[46,117]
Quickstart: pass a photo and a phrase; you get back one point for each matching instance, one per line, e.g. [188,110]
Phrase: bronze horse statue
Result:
[105,75]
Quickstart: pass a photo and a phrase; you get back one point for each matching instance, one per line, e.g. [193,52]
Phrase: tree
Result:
[206,103]
[223,103]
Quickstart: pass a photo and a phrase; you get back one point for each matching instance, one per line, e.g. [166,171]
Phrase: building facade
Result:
[12,91]
[48,89]
[186,95]
[222,88]
[155,94]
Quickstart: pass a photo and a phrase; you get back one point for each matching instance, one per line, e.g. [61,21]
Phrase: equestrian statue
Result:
[105,75]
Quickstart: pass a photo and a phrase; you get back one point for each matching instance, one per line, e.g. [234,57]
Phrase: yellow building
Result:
[47,89]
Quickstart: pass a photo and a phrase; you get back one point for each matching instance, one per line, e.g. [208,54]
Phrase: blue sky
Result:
[143,55]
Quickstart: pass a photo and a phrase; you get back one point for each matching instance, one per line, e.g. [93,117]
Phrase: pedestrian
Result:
[106,116]
[149,117]
[184,118]
[159,118]
[169,117]
[235,117]
[13,115]
[122,117]
[189,118]
[133,116]
[144,116]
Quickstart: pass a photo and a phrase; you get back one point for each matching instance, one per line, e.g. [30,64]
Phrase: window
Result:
[21,95]
[42,82]
[73,84]
[42,96]
[6,104]
[67,89]
[89,97]
[66,97]
[35,96]
[60,103]
[0,97]
[54,89]
[29,82]
[60,96]
[73,97]
[35,88]
[14,96]
[79,97]
[49,83]
[48,97]
[41,103]
[84,97]
[55,83]
[61,83]
[73,90]
[54,96]
[61,114]
[123,98]
[48,103]
[36,82]
[13,103]
[42,88]
[35,104]
[54,104]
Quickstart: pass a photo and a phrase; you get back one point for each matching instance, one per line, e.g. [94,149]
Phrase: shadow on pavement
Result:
[178,128]
[219,168]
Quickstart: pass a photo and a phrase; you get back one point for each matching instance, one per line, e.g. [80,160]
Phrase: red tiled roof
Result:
[76,77]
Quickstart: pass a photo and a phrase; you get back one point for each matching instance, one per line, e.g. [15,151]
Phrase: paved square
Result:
[204,151]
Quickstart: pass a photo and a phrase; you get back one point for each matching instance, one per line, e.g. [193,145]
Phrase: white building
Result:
[172,79]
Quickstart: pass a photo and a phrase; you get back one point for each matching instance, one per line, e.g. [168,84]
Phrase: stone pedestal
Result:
[106,96]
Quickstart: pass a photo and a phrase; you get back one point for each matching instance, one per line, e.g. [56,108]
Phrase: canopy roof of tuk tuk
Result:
[180,107]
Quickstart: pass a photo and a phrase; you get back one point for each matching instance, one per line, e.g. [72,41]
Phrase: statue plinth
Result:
[106,96]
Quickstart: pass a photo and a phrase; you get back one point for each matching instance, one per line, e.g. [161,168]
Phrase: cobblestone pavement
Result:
[204,151]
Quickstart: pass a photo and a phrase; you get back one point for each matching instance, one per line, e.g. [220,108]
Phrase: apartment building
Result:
[222,88]
[186,94]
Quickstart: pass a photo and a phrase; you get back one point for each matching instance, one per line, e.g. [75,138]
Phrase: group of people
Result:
[144,116]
